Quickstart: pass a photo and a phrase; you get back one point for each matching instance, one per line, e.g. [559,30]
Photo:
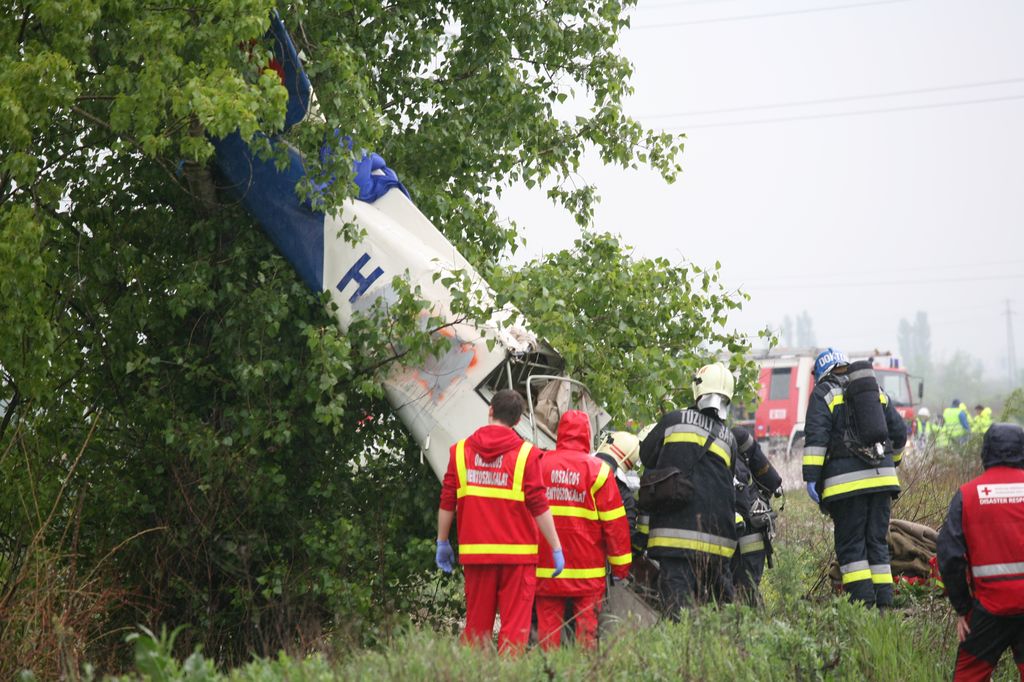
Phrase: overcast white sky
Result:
[858,219]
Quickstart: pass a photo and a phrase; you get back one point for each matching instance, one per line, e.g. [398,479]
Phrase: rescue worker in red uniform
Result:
[591,522]
[981,557]
[493,485]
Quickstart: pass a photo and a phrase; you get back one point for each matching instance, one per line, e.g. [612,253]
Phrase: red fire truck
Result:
[787,379]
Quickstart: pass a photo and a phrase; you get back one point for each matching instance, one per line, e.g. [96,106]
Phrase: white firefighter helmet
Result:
[713,387]
[713,378]
[623,446]
[924,413]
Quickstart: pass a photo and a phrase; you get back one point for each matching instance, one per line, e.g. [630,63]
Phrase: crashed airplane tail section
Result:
[443,399]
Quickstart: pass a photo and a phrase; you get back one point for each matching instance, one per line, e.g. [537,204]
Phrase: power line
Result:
[943,314]
[842,114]
[872,283]
[672,4]
[767,15]
[808,275]
[831,100]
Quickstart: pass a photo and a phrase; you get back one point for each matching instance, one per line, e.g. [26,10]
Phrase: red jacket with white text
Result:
[493,485]
[589,516]
[980,548]
[993,522]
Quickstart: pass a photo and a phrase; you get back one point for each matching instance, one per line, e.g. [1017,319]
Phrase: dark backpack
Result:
[866,434]
[669,488]
[664,490]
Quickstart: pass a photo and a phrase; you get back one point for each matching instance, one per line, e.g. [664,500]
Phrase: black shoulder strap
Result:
[707,447]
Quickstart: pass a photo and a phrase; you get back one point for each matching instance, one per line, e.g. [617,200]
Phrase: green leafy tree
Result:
[245,477]
[635,330]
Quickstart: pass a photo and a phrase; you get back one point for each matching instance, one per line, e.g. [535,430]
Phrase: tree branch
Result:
[24,25]
[9,413]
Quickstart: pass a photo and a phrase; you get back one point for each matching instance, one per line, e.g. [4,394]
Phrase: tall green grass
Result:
[807,641]
[803,631]
[790,638]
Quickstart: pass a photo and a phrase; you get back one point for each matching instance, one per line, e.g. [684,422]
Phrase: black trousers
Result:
[990,636]
[694,580]
[861,524]
[747,570]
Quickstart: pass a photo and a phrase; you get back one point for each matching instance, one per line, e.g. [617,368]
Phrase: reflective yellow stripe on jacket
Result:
[620,559]
[578,512]
[602,476]
[834,399]
[612,514]
[814,455]
[754,542]
[699,439]
[676,538]
[515,493]
[864,479]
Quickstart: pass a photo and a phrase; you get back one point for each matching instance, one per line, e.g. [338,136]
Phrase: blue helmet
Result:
[827,360]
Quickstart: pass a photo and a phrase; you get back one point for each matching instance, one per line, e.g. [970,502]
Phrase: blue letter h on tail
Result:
[355,275]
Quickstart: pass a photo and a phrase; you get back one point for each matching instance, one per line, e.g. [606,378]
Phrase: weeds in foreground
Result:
[803,632]
[790,638]
[807,641]
[54,609]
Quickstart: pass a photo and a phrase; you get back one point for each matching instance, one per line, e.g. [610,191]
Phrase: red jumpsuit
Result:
[493,485]
[591,523]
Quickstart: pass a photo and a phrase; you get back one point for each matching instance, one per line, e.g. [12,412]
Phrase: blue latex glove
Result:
[445,556]
[812,493]
[559,562]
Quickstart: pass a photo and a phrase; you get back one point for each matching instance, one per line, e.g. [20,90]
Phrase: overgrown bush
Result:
[55,609]
[1013,409]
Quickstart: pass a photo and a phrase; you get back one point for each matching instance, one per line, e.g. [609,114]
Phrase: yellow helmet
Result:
[713,378]
[623,446]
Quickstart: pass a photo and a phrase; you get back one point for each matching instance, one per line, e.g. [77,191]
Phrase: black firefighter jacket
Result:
[628,499]
[752,469]
[708,523]
[825,462]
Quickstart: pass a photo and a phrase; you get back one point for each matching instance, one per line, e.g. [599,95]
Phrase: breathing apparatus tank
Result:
[865,412]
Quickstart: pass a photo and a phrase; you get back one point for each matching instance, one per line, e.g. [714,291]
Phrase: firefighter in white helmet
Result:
[621,451]
[687,489]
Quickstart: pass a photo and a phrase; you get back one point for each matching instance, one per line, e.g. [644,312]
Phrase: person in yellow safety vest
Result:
[982,419]
[956,425]
[924,430]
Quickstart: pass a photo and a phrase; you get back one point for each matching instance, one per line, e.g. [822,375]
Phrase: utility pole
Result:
[1011,352]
